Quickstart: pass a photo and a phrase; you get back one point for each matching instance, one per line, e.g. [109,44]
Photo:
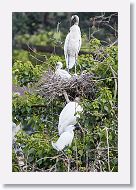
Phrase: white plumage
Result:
[65,138]
[15,129]
[61,72]
[68,116]
[72,43]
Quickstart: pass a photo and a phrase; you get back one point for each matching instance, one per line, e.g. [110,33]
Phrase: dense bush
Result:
[26,72]
[43,38]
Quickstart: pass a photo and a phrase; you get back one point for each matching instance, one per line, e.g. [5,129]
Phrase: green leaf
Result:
[106,108]
[80,152]
[31,151]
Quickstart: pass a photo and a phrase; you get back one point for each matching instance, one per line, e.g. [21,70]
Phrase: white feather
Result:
[72,45]
[15,129]
[65,139]
[68,116]
[61,72]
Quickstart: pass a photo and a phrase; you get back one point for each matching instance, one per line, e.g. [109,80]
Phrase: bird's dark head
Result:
[78,127]
[74,20]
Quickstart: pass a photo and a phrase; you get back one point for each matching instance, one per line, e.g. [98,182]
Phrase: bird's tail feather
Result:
[54,146]
[70,61]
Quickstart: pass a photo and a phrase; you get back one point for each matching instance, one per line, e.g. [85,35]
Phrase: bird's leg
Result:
[67,69]
[75,68]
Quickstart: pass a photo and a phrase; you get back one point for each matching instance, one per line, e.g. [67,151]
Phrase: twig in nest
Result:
[51,86]
[66,96]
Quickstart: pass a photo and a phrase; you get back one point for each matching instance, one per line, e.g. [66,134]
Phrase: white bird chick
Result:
[69,115]
[61,72]
[65,138]
[72,43]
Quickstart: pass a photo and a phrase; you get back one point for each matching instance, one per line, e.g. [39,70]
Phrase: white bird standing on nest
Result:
[69,114]
[72,43]
[65,138]
[61,72]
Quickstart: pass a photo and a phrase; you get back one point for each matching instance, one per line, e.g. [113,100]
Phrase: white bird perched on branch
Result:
[61,72]
[65,138]
[69,115]
[72,43]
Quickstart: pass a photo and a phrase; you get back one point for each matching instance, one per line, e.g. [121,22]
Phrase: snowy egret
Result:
[61,72]
[65,138]
[69,115]
[72,43]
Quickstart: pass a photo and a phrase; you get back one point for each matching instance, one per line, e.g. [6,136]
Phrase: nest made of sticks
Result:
[52,86]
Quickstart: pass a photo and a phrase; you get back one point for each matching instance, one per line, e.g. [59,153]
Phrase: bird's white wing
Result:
[74,40]
[64,140]
[63,74]
[67,113]
[66,45]
[68,117]
[80,41]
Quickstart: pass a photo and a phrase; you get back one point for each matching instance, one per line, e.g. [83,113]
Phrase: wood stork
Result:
[69,115]
[72,43]
[65,138]
[61,72]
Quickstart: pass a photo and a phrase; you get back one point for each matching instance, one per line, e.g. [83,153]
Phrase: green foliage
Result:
[22,107]
[95,45]
[99,116]
[53,59]
[15,166]
[20,55]
[42,39]
[33,110]
[36,148]
[25,72]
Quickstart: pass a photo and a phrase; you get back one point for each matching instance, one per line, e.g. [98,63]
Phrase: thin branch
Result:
[52,158]
[29,48]
[107,135]
[66,96]
[36,58]
[115,81]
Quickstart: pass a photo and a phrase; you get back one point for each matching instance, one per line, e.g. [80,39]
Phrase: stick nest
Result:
[51,86]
